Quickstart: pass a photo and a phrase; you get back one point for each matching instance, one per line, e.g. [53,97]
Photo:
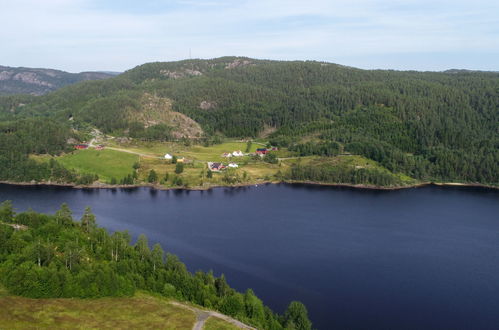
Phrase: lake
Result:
[422,258]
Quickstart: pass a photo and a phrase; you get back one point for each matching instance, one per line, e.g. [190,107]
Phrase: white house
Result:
[168,156]
[233,165]
[238,153]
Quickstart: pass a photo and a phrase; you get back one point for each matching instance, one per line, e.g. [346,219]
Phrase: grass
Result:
[194,152]
[215,323]
[139,312]
[105,163]
[112,163]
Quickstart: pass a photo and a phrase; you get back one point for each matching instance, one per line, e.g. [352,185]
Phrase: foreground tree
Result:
[296,317]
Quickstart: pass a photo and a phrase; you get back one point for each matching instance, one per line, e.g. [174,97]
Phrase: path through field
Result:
[203,315]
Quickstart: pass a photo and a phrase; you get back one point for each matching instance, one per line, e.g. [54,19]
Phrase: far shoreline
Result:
[291,182]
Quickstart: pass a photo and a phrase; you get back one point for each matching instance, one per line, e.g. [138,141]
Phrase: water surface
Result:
[359,259]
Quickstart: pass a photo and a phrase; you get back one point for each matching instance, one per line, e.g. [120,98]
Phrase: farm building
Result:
[237,153]
[227,155]
[233,165]
[216,167]
[168,157]
[99,147]
[181,160]
[81,146]
[262,151]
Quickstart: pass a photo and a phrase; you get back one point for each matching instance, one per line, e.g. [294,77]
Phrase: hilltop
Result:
[36,81]
[417,126]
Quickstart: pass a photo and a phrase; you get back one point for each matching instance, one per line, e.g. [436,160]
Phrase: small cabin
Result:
[237,153]
[81,146]
[216,167]
[168,157]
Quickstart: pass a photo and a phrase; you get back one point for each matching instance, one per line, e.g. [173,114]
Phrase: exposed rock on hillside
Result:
[207,105]
[158,110]
[238,62]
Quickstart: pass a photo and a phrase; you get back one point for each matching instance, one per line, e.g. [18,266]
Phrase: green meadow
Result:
[105,163]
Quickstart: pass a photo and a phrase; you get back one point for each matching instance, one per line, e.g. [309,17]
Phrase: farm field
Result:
[105,163]
[117,161]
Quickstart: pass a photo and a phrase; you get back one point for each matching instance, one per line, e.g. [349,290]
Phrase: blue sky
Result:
[78,35]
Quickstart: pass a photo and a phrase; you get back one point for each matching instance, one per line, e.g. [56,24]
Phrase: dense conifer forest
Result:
[431,126]
[53,256]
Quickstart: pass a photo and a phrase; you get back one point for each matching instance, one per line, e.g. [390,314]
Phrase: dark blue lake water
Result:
[424,258]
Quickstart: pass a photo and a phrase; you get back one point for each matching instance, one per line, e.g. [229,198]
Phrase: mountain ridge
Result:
[39,81]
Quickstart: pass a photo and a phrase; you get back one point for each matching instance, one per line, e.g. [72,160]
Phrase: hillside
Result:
[429,126]
[41,81]
[51,258]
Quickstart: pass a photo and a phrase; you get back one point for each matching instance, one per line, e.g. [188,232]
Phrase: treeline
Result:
[22,138]
[313,148]
[55,256]
[342,174]
[439,163]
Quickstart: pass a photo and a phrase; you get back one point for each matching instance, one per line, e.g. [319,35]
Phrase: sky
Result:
[117,35]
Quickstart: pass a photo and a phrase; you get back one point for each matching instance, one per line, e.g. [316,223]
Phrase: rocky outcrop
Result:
[237,63]
[158,110]
[207,105]
[181,73]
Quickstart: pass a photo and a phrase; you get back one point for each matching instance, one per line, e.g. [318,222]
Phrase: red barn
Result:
[81,146]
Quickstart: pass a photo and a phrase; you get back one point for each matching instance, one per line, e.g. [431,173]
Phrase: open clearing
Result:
[142,311]
[105,163]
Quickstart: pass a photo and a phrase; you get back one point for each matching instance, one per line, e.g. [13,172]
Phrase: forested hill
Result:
[41,81]
[428,125]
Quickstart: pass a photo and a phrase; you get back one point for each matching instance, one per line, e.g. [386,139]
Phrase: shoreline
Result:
[292,182]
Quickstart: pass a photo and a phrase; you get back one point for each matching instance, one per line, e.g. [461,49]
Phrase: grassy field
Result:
[109,163]
[139,312]
[194,152]
[105,163]
[214,323]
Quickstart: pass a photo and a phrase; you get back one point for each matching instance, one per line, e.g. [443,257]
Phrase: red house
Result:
[81,146]
[262,151]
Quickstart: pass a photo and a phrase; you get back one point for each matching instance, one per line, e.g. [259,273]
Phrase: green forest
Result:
[54,256]
[430,126]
